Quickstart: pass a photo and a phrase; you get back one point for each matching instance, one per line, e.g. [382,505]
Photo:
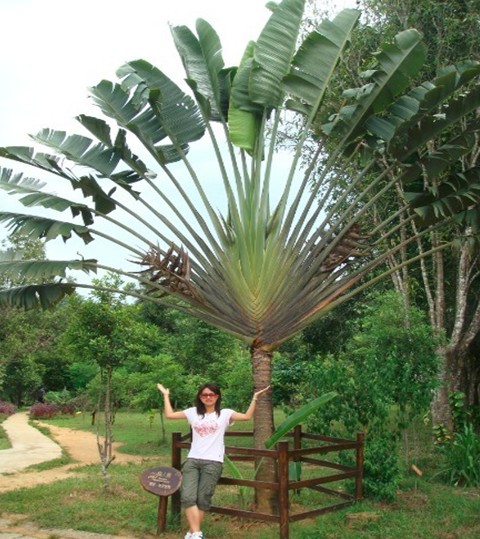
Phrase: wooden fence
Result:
[285,453]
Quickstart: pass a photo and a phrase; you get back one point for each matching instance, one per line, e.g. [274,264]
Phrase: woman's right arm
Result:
[169,413]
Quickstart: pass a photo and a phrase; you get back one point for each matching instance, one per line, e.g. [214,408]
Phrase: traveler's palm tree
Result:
[262,269]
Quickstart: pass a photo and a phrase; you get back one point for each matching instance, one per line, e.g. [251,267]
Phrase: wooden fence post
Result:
[177,464]
[297,437]
[359,464]
[283,488]
[282,455]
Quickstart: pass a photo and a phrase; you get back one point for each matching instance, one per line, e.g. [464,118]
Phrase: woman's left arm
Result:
[237,416]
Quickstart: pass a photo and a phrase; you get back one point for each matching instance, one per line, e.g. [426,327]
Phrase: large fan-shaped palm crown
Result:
[260,269]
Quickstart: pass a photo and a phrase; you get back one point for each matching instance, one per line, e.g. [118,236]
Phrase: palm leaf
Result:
[273,53]
[398,63]
[98,127]
[432,126]
[44,269]
[316,60]
[237,474]
[101,130]
[104,203]
[450,198]
[450,80]
[81,150]
[37,227]
[29,297]
[433,164]
[249,272]
[244,117]
[244,128]
[30,192]
[172,111]
[404,115]
[203,62]
[297,417]
[43,161]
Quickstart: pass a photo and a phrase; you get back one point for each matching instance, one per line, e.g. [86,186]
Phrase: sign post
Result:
[162,481]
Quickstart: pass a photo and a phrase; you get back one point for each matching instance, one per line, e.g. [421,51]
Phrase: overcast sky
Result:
[51,51]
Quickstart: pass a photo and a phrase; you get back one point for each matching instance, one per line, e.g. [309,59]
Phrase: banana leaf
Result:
[297,417]
[237,474]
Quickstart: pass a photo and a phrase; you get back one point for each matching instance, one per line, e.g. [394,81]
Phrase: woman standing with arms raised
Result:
[204,463]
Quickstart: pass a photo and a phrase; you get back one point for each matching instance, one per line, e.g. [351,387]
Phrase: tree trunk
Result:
[105,449]
[440,406]
[162,423]
[472,380]
[265,499]
[465,329]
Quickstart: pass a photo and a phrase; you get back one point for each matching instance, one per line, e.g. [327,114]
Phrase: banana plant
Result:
[260,269]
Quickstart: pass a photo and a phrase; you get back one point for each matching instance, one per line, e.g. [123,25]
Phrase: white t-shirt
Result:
[207,434]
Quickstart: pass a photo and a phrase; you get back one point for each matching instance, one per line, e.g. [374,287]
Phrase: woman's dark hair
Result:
[214,388]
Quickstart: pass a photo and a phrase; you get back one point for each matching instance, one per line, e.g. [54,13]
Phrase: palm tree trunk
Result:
[265,499]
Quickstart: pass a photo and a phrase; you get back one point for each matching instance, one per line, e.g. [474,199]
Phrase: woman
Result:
[204,463]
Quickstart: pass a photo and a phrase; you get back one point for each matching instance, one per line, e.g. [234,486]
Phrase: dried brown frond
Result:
[351,246]
[170,270]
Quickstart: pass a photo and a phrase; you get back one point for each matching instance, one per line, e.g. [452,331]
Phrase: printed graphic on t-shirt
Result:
[208,431]
[205,427]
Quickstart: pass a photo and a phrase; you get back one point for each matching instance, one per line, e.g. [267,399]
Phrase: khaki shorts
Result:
[200,477]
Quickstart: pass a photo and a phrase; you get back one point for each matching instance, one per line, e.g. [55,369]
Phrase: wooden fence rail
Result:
[284,453]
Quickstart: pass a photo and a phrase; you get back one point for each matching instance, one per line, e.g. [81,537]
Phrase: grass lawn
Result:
[4,441]
[424,508]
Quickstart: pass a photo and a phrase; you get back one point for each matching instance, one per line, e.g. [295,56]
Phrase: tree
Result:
[263,269]
[384,378]
[145,395]
[31,353]
[445,282]
[448,279]
[103,329]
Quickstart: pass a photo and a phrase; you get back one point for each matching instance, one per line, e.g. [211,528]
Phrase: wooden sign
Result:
[162,481]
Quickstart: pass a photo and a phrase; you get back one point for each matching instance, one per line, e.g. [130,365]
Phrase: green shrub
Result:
[381,467]
[59,397]
[66,403]
[381,472]
[384,379]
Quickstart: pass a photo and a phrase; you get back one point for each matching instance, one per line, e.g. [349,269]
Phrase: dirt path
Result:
[80,445]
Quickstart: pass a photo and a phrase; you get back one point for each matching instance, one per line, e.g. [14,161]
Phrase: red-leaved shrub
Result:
[68,408]
[42,410]
[7,408]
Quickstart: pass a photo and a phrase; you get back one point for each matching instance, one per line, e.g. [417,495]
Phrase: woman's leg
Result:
[199,481]
[194,517]
[210,473]
[189,494]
